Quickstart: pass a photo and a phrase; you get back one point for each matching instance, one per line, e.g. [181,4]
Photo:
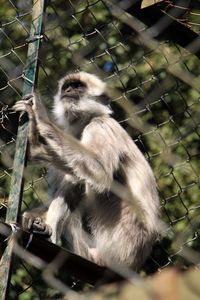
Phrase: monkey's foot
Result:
[36,225]
[40,227]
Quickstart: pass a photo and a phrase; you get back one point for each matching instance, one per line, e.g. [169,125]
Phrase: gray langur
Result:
[103,197]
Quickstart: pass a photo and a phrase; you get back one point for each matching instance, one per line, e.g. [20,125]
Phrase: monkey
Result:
[103,199]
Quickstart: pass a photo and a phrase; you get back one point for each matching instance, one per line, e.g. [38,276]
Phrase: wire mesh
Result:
[153,78]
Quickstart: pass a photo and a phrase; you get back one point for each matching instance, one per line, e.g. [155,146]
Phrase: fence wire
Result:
[149,58]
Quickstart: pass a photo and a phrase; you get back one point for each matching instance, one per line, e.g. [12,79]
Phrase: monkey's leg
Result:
[94,256]
[56,215]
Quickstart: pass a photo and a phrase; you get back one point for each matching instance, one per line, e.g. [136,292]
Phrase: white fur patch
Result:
[59,111]
[96,86]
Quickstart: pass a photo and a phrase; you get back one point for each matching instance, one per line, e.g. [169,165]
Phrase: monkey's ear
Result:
[104,99]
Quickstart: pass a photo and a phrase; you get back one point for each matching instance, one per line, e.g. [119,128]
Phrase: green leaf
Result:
[146,3]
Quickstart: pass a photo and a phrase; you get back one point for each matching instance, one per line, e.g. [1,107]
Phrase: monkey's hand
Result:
[25,105]
[36,112]
[35,225]
[32,104]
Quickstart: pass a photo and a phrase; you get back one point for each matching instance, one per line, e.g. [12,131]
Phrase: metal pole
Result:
[15,197]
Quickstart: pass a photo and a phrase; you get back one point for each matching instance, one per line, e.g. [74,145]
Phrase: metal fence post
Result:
[15,196]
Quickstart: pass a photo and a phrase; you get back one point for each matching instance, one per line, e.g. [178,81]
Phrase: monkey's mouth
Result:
[70,95]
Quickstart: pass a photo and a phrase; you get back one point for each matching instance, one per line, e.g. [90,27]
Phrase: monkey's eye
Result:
[67,86]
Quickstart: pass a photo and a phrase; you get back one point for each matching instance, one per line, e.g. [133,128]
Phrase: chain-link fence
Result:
[148,53]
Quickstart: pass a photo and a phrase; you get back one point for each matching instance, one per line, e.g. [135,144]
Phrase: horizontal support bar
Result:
[73,264]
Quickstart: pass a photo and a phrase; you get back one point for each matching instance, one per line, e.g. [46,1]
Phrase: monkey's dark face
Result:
[81,96]
[73,89]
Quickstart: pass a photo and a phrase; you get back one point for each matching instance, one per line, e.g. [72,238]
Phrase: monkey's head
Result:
[80,96]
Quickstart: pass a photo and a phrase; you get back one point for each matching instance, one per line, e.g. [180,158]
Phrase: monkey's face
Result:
[80,97]
[79,85]
[72,89]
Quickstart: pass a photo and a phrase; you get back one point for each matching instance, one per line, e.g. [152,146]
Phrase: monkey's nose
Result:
[68,89]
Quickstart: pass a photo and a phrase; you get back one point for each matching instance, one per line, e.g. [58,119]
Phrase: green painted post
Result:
[14,202]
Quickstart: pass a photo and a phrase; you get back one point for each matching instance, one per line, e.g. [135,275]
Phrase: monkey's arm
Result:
[91,159]
[94,159]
